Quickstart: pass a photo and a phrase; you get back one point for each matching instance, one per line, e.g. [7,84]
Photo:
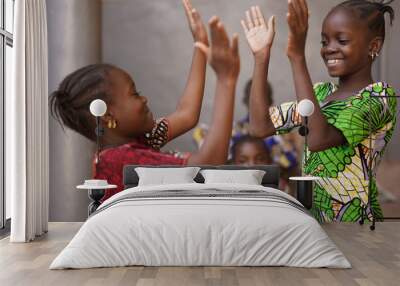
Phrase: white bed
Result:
[201,225]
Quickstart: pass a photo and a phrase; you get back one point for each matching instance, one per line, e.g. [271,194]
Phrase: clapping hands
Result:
[223,54]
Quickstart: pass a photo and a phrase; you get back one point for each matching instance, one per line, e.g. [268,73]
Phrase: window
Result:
[7,64]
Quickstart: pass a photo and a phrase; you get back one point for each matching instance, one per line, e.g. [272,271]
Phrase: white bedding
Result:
[203,231]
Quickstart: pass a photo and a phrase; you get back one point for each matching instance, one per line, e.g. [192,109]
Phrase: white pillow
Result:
[162,176]
[248,177]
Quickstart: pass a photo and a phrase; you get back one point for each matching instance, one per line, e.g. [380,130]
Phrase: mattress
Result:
[201,225]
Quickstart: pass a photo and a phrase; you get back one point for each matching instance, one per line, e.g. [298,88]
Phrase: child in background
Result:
[253,151]
[339,132]
[131,135]
[250,151]
[283,149]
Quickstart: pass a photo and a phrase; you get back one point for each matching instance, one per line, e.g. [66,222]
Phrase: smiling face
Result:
[128,107]
[345,44]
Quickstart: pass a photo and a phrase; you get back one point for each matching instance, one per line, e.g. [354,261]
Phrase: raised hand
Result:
[196,25]
[222,55]
[297,18]
[259,35]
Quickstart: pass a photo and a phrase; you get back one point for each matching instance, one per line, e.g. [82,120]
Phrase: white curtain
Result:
[27,143]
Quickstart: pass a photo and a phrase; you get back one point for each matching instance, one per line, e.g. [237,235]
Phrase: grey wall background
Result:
[74,41]
[389,70]
[151,40]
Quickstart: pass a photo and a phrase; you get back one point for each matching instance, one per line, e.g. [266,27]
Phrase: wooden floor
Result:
[375,257]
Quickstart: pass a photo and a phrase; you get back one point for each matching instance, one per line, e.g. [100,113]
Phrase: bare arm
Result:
[260,37]
[260,121]
[322,135]
[224,59]
[188,109]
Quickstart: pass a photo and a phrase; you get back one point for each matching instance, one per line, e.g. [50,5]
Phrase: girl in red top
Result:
[131,135]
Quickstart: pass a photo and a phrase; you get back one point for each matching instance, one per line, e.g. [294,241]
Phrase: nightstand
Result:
[304,189]
[96,190]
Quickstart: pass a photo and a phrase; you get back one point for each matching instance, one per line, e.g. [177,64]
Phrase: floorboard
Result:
[375,256]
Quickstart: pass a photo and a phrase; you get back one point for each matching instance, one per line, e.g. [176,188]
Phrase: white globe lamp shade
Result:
[306,108]
[98,107]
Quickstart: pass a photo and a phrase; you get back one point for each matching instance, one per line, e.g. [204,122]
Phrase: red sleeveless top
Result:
[144,152]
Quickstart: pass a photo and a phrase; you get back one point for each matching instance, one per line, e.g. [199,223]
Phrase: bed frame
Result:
[270,179]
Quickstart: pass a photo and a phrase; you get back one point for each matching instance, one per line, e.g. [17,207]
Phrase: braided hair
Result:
[371,11]
[69,105]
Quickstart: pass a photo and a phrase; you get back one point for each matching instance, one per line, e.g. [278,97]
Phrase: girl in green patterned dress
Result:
[350,118]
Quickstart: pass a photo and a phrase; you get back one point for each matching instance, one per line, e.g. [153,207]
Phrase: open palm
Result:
[222,54]
[196,24]
[297,19]
[259,35]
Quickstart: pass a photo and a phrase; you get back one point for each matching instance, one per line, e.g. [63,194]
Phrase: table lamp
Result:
[96,188]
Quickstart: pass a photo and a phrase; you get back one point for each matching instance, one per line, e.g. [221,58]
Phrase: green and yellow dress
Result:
[366,119]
